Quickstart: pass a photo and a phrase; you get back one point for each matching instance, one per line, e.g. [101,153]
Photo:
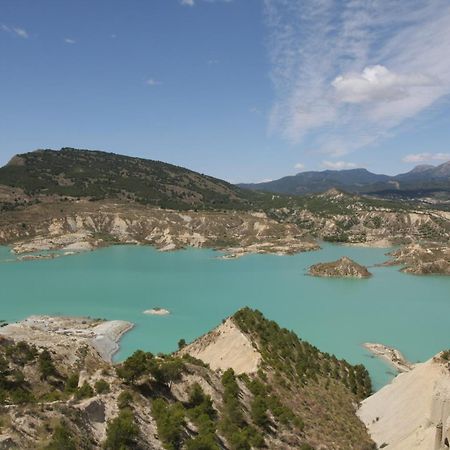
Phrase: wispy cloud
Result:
[338,165]
[194,2]
[153,82]
[426,157]
[299,166]
[15,31]
[348,72]
[70,41]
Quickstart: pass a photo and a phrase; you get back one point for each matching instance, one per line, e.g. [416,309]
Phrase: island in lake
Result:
[342,268]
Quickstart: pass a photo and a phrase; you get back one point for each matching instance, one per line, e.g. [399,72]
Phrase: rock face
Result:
[413,412]
[342,268]
[423,259]
[226,347]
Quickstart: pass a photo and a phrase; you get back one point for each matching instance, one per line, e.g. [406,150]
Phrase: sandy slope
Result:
[413,412]
[225,347]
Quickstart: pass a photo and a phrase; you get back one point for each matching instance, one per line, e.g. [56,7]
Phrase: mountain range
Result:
[423,180]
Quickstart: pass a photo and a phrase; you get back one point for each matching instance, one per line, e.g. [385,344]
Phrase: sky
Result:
[244,90]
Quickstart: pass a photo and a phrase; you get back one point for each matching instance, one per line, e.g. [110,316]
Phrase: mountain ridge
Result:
[359,180]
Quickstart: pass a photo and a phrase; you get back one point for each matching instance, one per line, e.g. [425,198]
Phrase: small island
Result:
[342,268]
[157,311]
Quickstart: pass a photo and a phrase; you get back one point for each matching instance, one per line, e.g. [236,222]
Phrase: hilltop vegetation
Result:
[299,398]
[96,175]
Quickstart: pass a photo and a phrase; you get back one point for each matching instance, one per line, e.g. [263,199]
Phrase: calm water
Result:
[408,312]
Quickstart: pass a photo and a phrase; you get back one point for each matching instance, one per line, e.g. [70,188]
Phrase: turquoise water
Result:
[408,312]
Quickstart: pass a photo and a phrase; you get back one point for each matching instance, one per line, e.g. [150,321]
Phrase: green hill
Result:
[99,175]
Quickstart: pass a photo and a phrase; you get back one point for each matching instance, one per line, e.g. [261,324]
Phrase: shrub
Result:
[170,422]
[72,383]
[62,439]
[101,387]
[46,366]
[84,391]
[124,400]
[122,431]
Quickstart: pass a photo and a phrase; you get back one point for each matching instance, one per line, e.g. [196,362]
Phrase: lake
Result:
[405,311]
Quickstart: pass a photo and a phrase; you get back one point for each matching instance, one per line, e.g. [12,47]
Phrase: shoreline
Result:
[60,332]
[107,341]
[391,355]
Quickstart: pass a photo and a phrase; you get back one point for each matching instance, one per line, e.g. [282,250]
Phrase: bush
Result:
[170,422]
[62,439]
[124,400]
[101,387]
[122,431]
[84,391]
[72,383]
[46,366]
[135,366]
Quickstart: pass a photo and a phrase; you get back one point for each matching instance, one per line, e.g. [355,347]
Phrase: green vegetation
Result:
[239,434]
[122,432]
[62,439]
[170,422]
[163,370]
[72,173]
[101,387]
[85,391]
[46,365]
[298,360]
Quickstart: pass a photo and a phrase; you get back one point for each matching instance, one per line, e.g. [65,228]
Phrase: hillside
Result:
[75,200]
[421,182]
[99,175]
[413,412]
[298,397]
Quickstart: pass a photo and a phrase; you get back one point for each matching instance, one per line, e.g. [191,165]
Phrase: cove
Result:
[337,315]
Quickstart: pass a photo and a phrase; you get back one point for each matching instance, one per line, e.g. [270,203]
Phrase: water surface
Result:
[337,315]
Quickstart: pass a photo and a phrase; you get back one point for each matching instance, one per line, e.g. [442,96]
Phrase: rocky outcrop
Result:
[224,348]
[423,259]
[342,268]
[391,355]
[413,412]
[61,334]
[86,225]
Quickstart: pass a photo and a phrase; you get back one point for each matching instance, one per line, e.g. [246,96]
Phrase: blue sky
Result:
[245,90]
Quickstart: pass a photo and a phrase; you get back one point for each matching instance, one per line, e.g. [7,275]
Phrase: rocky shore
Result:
[423,259]
[63,333]
[342,268]
[391,355]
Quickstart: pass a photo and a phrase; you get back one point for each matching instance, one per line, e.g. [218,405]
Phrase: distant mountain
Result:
[421,180]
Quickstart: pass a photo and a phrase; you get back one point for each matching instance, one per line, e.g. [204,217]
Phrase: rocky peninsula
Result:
[342,268]
[423,259]
[62,334]
[391,355]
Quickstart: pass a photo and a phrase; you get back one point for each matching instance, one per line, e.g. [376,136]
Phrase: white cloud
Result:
[153,82]
[188,2]
[347,73]
[426,157]
[299,166]
[338,165]
[15,31]
[378,84]
[70,41]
